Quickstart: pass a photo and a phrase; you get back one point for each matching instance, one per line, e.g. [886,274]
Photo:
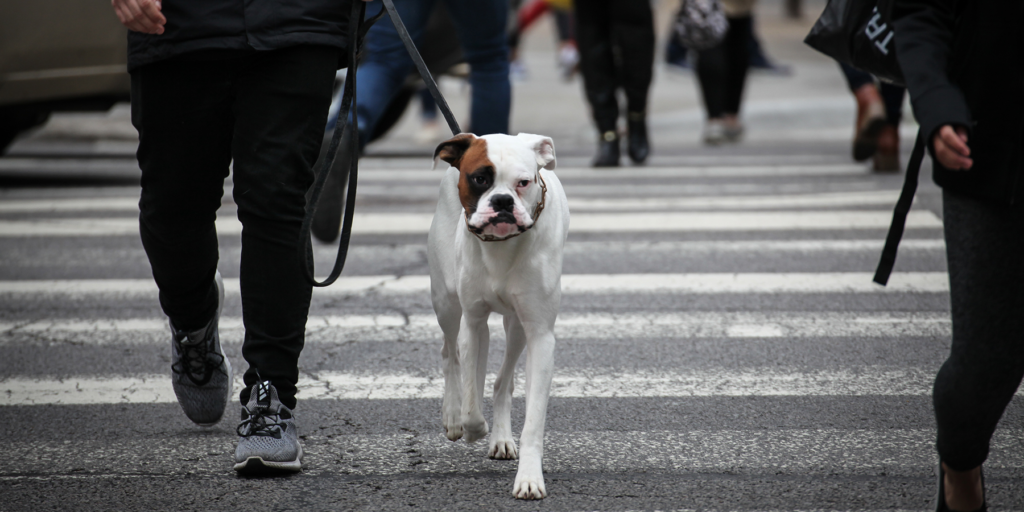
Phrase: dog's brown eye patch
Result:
[477,175]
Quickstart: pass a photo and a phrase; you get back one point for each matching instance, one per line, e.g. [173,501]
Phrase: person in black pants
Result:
[616,45]
[722,73]
[217,82]
[964,66]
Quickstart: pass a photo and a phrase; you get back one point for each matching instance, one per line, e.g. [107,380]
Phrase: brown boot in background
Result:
[870,121]
[887,159]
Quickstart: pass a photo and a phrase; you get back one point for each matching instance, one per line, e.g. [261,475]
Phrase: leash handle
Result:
[421,66]
[899,214]
[350,125]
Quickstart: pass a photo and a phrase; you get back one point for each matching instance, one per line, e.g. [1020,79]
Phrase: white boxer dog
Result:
[495,245]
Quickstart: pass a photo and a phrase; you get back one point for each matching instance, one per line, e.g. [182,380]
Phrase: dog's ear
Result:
[451,150]
[544,147]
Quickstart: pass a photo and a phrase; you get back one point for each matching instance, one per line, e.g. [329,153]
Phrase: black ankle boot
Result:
[607,150]
[638,146]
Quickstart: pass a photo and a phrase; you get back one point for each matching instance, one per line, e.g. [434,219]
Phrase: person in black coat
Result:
[219,84]
[964,67]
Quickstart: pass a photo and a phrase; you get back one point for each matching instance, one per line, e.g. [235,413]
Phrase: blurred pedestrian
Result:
[223,84]
[877,126]
[616,44]
[386,64]
[722,73]
[964,66]
[568,57]
[481,30]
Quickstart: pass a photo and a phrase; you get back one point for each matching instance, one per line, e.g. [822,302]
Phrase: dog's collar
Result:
[536,215]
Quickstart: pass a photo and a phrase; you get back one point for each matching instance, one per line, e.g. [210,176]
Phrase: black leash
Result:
[350,126]
[899,214]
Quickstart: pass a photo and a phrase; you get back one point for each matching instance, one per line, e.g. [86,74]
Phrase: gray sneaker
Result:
[201,374]
[269,437]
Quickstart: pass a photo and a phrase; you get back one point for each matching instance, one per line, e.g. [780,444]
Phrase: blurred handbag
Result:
[859,33]
[701,24]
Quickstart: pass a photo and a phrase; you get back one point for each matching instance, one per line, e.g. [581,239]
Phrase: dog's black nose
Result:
[502,203]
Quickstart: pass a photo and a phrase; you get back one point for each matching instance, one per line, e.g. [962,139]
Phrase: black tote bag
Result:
[859,33]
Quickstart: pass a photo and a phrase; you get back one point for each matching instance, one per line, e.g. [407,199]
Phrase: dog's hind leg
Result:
[503,445]
[449,316]
[474,340]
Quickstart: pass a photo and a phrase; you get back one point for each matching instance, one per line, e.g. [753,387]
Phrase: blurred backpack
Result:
[700,24]
[859,33]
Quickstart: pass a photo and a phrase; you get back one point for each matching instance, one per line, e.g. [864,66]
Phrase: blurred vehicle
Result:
[58,55]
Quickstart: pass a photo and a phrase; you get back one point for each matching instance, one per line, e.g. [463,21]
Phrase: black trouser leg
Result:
[597,61]
[280,114]
[986,362]
[722,70]
[182,113]
[633,33]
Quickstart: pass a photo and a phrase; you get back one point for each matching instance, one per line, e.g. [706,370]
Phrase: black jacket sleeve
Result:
[924,35]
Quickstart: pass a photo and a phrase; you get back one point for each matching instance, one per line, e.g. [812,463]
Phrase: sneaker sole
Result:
[258,466]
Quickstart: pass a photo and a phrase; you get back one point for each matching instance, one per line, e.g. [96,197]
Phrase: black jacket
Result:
[963,62]
[196,25]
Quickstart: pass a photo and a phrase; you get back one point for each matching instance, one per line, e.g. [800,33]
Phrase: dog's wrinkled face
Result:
[498,179]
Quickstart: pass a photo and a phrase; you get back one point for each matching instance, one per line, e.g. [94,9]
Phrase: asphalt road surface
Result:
[720,347]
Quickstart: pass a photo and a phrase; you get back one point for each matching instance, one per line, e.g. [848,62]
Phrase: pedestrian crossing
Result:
[738,388]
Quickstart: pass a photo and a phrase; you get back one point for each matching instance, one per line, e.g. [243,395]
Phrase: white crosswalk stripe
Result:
[419,223]
[702,283]
[866,381]
[569,325]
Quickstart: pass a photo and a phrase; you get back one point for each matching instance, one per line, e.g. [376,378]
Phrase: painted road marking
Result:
[831,199]
[706,283]
[419,223]
[596,383]
[596,326]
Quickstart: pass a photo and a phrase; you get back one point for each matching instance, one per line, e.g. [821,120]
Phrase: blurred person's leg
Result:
[481,27]
[737,45]
[597,64]
[721,73]
[386,64]
[986,361]
[280,111]
[871,112]
[887,159]
[568,54]
[633,33]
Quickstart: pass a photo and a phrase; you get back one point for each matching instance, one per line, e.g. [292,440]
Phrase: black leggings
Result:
[722,70]
[616,44]
[985,250]
[265,111]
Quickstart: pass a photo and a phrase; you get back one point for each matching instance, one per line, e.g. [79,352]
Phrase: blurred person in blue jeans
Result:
[481,27]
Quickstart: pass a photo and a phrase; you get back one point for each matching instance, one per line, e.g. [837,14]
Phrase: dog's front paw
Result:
[452,425]
[529,487]
[474,428]
[502,449]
